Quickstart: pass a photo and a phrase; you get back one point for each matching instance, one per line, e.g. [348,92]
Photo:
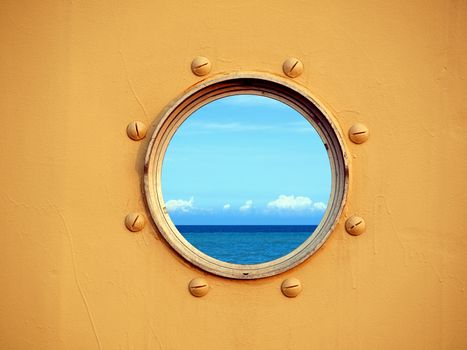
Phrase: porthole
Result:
[225,212]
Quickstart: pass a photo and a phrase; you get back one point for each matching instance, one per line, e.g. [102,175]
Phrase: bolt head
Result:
[201,66]
[292,67]
[291,287]
[359,133]
[198,287]
[135,222]
[136,130]
[355,225]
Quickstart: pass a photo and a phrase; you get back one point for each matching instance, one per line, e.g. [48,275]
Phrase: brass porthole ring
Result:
[257,84]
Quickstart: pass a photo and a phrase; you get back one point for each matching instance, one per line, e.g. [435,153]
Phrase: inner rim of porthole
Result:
[216,89]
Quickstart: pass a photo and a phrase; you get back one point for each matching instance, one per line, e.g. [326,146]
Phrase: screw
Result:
[135,222]
[355,225]
[136,130]
[359,133]
[200,66]
[291,287]
[292,67]
[198,287]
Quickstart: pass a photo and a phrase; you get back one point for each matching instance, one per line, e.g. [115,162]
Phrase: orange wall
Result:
[74,73]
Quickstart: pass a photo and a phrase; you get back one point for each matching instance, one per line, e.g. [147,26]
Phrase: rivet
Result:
[359,133]
[135,222]
[292,67]
[200,66]
[136,130]
[198,287]
[291,287]
[355,225]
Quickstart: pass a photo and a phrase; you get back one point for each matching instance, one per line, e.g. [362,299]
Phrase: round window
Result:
[245,176]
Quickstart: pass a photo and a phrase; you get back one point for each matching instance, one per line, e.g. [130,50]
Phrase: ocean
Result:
[246,244]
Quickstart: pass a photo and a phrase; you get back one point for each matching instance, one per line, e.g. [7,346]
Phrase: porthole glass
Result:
[246,179]
[245,176]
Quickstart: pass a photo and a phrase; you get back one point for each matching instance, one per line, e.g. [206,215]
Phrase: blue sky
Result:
[246,159]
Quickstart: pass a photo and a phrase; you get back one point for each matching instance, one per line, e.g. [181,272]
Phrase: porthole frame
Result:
[256,84]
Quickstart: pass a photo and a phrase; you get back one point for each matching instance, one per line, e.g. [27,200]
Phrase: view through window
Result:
[246,179]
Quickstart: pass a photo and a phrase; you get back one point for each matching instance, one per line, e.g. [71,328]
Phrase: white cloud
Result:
[226,206]
[319,206]
[247,206]
[290,203]
[298,127]
[182,205]
[295,203]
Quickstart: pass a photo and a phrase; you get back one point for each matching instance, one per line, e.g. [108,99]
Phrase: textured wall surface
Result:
[75,73]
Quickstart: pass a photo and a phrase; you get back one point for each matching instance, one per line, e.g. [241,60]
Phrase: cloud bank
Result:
[295,204]
[282,204]
[180,205]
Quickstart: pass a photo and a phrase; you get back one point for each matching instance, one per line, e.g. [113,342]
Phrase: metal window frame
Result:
[233,84]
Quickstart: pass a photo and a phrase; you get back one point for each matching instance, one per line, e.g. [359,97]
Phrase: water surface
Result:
[246,244]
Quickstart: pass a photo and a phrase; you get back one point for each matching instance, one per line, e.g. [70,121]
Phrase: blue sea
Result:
[246,244]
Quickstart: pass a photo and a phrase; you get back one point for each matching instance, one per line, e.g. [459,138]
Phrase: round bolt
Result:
[359,133]
[355,225]
[135,222]
[291,287]
[200,66]
[198,287]
[292,67]
[136,130]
